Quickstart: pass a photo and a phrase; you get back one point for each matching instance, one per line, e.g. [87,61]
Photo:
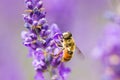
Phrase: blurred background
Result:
[83,18]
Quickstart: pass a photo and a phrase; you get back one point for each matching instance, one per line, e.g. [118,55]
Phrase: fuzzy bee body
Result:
[66,56]
[68,47]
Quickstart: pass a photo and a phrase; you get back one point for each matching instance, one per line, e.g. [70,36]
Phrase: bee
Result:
[68,47]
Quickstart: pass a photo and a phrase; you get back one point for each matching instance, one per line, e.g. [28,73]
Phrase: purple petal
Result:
[35,23]
[39,76]
[42,21]
[24,34]
[39,4]
[28,26]
[64,71]
[29,5]
[45,26]
[27,19]
[55,29]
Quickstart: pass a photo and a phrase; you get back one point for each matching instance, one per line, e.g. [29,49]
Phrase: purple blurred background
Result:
[84,18]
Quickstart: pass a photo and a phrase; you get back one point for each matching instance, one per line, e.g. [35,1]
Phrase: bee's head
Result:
[67,35]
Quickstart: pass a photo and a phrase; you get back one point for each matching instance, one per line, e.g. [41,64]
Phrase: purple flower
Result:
[39,76]
[63,71]
[108,51]
[42,42]
[29,39]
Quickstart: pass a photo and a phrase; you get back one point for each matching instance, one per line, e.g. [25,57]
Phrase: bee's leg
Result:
[61,39]
[57,55]
[58,44]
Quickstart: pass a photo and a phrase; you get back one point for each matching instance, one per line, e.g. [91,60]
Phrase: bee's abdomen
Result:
[66,55]
[66,59]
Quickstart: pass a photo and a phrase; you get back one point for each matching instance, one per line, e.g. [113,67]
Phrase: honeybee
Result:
[68,46]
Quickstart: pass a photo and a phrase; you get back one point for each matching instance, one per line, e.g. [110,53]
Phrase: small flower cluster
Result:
[108,51]
[41,41]
[111,56]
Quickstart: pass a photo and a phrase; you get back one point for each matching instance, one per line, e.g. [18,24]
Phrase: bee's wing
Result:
[79,53]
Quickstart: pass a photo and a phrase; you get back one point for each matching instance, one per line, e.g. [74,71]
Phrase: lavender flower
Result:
[41,40]
[108,51]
